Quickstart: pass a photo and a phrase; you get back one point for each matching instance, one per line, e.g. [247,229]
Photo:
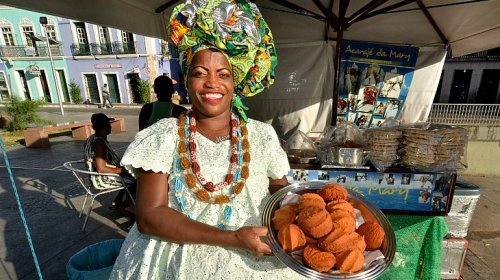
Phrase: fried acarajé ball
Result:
[333,192]
[318,260]
[311,199]
[350,261]
[314,221]
[373,233]
[291,238]
[341,205]
[284,216]
[339,241]
[344,220]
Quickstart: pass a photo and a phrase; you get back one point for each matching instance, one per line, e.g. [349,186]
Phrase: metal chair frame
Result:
[90,189]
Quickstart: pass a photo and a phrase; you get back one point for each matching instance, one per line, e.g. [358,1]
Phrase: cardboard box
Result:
[454,252]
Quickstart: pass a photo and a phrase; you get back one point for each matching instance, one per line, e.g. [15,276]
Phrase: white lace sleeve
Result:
[277,164]
[152,148]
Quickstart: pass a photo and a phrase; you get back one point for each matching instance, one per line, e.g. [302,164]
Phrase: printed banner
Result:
[374,82]
[418,192]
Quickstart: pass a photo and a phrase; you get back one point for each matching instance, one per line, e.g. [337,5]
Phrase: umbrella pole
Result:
[336,68]
[339,26]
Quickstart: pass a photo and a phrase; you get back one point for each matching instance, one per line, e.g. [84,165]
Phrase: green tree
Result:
[144,88]
[23,113]
[75,92]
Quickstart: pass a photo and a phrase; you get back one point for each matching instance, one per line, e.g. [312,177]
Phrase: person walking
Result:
[105,97]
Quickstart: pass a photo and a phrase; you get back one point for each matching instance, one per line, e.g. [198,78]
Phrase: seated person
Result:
[163,108]
[100,157]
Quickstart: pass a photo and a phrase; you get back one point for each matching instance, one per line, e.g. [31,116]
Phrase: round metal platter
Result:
[369,212]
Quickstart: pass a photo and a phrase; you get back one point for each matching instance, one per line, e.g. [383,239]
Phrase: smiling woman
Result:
[210,83]
[219,165]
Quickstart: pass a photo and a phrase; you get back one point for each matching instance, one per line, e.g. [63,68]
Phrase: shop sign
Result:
[106,66]
[375,81]
[405,192]
[34,70]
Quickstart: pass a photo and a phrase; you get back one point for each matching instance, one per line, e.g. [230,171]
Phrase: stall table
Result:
[415,204]
[395,191]
[418,247]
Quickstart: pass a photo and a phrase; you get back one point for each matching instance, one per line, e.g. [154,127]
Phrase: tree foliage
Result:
[23,113]
[75,92]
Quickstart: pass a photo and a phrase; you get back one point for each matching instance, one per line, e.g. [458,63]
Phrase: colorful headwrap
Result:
[236,28]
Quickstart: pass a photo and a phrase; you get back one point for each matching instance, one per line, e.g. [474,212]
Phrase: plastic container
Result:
[94,262]
[465,199]
[454,253]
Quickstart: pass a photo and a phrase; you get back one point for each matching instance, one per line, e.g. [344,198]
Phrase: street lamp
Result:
[43,21]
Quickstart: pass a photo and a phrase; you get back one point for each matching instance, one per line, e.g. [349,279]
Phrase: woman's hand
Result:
[249,239]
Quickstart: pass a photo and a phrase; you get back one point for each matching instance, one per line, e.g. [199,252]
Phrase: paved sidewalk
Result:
[51,199]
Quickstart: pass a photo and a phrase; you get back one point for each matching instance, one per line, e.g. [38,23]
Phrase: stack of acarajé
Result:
[324,225]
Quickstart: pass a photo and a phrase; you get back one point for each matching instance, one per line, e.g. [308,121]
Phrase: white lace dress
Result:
[147,257]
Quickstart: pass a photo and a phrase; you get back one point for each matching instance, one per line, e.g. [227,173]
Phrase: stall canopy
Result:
[306,33]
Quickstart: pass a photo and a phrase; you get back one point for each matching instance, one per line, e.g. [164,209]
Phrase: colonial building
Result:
[98,55]
[25,69]
[86,54]
[473,78]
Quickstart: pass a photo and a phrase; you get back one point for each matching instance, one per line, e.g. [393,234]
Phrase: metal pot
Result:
[347,156]
[302,156]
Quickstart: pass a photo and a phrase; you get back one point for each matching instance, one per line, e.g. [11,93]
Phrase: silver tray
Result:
[370,213]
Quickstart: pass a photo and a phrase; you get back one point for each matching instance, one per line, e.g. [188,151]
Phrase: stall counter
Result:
[418,247]
[397,191]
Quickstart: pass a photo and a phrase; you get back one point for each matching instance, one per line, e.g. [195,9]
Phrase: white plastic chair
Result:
[79,170]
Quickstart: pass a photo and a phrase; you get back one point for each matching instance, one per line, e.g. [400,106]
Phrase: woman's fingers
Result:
[261,231]
[263,249]
[250,238]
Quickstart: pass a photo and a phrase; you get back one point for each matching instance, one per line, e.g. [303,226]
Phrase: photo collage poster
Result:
[420,192]
[374,82]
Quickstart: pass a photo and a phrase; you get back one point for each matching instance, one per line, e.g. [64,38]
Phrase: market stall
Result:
[407,171]
[401,167]
[313,84]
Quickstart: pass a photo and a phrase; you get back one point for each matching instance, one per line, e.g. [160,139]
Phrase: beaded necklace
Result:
[187,169]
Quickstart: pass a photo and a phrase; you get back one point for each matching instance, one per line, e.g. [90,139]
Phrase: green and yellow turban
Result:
[236,28]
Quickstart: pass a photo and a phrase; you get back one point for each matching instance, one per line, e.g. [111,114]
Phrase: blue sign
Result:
[418,192]
[374,82]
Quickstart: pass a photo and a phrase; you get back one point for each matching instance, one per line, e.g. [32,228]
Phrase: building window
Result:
[103,34]
[487,91]
[4,90]
[460,86]
[81,34]
[24,83]
[439,88]
[28,35]
[165,49]
[51,31]
[8,36]
[493,52]
[127,37]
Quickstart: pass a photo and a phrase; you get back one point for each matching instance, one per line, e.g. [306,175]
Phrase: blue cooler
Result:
[95,261]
